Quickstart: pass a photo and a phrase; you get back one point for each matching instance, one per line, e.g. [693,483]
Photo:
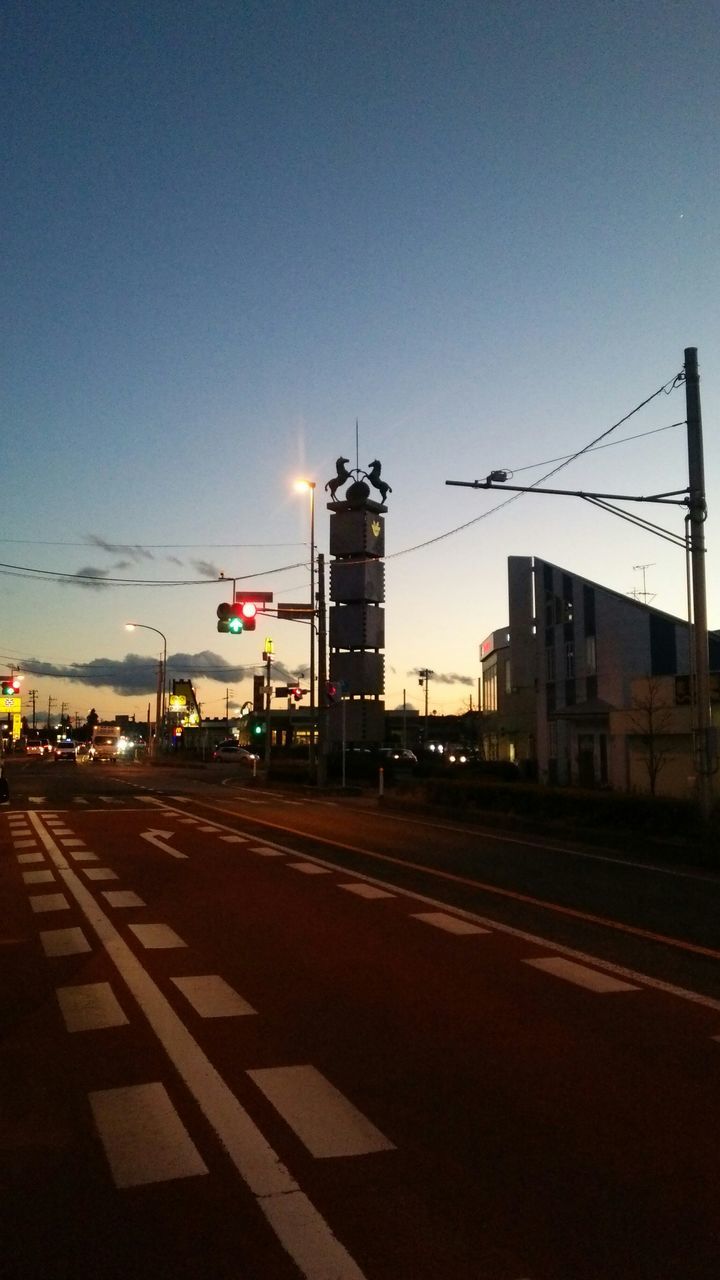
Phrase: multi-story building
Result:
[567,659]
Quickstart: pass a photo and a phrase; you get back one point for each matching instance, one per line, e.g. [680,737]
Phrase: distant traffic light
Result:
[331,693]
[10,687]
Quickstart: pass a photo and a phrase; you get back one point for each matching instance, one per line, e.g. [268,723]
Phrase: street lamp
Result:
[160,709]
[308,486]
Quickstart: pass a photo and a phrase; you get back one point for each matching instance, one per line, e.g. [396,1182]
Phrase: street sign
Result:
[255,597]
[282,691]
[295,611]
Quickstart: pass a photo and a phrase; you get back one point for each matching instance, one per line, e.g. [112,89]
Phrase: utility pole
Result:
[424,679]
[322,744]
[33,696]
[51,702]
[267,658]
[697,508]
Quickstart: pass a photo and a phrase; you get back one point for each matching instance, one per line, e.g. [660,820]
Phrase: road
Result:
[249,1033]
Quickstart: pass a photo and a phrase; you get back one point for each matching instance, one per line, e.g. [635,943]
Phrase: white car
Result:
[65,750]
[232,752]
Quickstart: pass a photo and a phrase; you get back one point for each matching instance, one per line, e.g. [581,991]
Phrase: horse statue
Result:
[342,475]
[373,475]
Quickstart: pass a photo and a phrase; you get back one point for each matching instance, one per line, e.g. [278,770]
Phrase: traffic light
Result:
[236,618]
[10,687]
[331,693]
[297,693]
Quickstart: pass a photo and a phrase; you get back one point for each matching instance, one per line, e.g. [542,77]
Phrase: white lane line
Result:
[322,1117]
[30,857]
[302,1231]
[153,799]
[49,902]
[143,1136]
[180,799]
[122,898]
[36,799]
[72,843]
[112,799]
[90,1007]
[64,942]
[83,855]
[309,868]
[209,828]
[592,979]
[449,924]
[100,873]
[24,844]
[235,839]
[37,877]
[368,891]
[266,851]
[188,821]
[212,997]
[80,800]
[156,937]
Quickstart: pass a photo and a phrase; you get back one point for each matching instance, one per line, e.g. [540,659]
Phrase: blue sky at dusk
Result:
[486,231]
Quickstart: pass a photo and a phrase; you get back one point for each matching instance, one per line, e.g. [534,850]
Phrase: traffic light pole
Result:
[322,742]
[268,698]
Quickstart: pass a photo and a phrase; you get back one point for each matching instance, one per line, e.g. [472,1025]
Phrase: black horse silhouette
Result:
[373,475]
[342,475]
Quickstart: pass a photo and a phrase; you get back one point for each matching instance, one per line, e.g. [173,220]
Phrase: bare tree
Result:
[651,719]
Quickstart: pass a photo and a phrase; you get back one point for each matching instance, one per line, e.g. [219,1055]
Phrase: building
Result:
[567,661]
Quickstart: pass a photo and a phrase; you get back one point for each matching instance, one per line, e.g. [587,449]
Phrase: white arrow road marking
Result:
[36,799]
[158,838]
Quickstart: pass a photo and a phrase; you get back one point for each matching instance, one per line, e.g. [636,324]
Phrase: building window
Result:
[590,656]
[490,689]
[550,663]
[569,658]
[508,677]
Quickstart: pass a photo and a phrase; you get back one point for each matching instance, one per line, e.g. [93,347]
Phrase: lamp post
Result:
[309,486]
[160,710]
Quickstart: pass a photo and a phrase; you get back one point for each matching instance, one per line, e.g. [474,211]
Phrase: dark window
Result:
[547,577]
[550,692]
[591,688]
[569,693]
[663,654]
[589,610]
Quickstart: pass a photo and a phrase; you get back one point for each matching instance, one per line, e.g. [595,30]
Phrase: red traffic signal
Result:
[331,693]
[247,612]
[10,686]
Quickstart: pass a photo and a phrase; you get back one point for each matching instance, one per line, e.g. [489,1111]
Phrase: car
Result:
[36,748]
[65,750]
[233,753]
[400,755]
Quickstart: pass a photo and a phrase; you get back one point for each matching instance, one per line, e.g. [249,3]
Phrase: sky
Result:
[243,238]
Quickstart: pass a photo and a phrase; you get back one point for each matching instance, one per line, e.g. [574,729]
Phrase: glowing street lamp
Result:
[160,710]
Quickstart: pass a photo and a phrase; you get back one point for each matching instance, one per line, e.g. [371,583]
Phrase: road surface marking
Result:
[367,891]
[157,937]
[189,820]
[323,1119]
[37,877]
[266,851]
[80,800]
[208,828]
[63,942]
[83,855]
[122,898]
[72,842]
[154,799]
[158,838]
[100,873]
[30,857]
[143,1136]
[450,924]
[37,799]
[24,844]
[90,1007]
[302,1231]
[49,902]
[235,839]
[212,997]
[112,799]
[309,868]
[592,979]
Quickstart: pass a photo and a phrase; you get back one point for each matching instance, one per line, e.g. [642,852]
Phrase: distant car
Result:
[399,754]
[65,751]
[232,752]
[36,748]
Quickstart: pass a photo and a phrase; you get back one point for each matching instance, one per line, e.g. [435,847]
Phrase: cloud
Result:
[137,673]
[134,550]
[449,678]
[205,568]
[90,577]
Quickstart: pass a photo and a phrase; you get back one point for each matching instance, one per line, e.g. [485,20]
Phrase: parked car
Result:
[232,753]
[401,755]
[65,750]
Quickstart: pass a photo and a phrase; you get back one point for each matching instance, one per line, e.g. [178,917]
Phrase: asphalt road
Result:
[255,1034]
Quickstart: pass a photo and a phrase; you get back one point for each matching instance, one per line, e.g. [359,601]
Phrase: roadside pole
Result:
[267,655]
[321,753]
[697,507]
